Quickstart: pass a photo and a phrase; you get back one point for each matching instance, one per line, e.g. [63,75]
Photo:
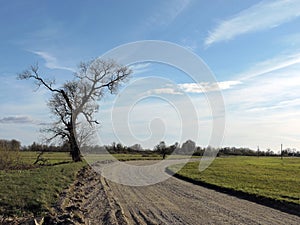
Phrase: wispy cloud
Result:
[140,67]
[207,87]
[190,44]
[276,90]
[21,119]
[51,62]
[17,119]
[168,12]
[270,65]
[262,16]
[280,105]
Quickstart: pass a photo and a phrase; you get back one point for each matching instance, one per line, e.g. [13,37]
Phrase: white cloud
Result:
[21,119]
[170,91]
[207,87]
[17,119]
[224,85]
[203,87]
[138,68]
[262,16]
[51,61]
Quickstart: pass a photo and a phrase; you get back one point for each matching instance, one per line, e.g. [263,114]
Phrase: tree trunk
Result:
[74,151]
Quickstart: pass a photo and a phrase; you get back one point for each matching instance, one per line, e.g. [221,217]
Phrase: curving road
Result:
[174,201]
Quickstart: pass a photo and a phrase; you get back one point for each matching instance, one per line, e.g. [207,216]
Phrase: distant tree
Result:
[120,147]
[269,152]
[161,148]
[294,151]
[173,147]
[199,151]
[188,147]
[79,97]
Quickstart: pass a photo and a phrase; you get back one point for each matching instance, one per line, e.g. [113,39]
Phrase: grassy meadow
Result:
[268,177]
[52,157]
[33,191]
[90,158]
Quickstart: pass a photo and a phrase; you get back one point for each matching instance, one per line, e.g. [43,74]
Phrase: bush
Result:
[8,159]
[9,154]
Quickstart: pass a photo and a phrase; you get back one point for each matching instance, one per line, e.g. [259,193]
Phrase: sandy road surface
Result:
[178,202]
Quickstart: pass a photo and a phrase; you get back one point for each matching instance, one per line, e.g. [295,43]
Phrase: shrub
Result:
[9,154]
[8,159]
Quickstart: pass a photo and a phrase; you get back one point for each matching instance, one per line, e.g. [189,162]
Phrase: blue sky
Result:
[252,47]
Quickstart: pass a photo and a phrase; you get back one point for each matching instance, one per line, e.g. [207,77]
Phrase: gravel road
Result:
[174,201]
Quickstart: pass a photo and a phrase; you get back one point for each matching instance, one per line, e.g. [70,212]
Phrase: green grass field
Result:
[264,176]
[33,191]
[52,157]
[90,158]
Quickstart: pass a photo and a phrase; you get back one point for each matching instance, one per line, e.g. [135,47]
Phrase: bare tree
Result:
[161,148]
[79,97]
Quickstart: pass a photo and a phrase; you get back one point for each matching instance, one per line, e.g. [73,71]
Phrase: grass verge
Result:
[265,179]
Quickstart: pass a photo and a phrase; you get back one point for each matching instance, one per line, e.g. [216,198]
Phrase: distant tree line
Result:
[290,152]
[187,148]
[36,147]
[116,148]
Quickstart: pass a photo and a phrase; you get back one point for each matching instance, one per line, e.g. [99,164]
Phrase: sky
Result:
[252,48]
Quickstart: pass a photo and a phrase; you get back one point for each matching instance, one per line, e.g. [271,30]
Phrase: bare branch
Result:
[32,73]
[79,96]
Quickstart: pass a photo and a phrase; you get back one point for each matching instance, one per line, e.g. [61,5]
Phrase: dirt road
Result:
[178,202]
[95,200]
